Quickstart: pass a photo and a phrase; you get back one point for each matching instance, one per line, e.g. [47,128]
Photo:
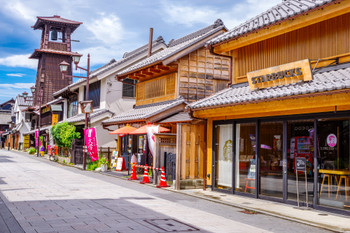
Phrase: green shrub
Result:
[93,165]
[102,161]
[31,151]
[63,133]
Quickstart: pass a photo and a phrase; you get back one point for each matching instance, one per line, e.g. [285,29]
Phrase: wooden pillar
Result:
[178,157]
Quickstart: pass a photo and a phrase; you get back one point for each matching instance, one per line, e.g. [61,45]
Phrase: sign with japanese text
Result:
[91,143]
[37,141]
[26,141]
[54,119]
[280,75]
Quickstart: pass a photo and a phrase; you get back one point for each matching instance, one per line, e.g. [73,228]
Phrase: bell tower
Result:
[55,47]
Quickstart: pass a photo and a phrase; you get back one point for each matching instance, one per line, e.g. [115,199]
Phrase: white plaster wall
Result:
[104,139]
[114,100]
[80,97]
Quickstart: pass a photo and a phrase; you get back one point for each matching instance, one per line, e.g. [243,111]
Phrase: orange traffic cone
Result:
[145,179]
[162,180]
[133,173]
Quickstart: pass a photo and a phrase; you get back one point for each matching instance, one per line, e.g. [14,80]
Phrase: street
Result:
[44,196]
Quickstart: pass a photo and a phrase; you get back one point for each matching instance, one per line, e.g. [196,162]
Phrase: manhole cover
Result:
[171,225]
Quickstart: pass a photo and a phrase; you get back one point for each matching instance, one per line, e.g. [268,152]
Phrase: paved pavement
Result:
[44,196]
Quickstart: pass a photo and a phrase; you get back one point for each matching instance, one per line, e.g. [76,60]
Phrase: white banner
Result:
[151,138]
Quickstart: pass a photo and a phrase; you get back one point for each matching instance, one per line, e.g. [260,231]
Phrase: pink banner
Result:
[37,140]
[91,143]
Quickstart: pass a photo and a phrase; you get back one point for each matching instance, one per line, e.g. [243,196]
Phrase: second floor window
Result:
[94,93]
[72,106]
[129,90]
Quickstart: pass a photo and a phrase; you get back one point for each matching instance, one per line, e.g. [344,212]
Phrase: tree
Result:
[63,133]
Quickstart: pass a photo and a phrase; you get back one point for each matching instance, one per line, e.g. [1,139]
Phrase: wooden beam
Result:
[285,26]
[154,70]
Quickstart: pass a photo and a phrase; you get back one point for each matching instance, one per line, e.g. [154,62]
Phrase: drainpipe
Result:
[150,42]
[211,50]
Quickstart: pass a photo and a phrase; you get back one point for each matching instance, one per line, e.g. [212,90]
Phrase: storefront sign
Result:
[280,75]
[91,143]
[300,164]
[54,119]
[46,109]
[26,141]
[331,140]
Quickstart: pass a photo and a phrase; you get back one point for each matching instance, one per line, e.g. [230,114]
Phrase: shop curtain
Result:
[225,156]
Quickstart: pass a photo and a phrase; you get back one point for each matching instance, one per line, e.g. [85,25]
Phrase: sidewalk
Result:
[321,219]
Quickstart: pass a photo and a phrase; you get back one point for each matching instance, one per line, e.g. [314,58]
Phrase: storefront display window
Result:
[245,163]
[271,159]
[224,156]
[300,143]
[333,162]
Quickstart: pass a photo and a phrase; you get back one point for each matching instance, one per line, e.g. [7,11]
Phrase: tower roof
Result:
[55,20]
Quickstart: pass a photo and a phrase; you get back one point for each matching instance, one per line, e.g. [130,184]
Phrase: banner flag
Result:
[151,137]
[91,143]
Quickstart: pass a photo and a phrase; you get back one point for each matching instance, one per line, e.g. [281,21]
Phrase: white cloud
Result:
[16,85]
[19,10]
[15,75]
[107,28]
[232,15]
[19,61]
[187,15]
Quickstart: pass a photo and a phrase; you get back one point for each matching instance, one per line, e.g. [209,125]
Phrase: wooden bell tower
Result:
[55,47]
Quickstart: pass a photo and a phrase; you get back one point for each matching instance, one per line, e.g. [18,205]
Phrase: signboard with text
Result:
[55,119]
[280,75]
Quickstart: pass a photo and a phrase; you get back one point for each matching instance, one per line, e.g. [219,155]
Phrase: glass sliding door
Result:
[333,159]
[271,159]
[245,163]
[223,156]
[300,141]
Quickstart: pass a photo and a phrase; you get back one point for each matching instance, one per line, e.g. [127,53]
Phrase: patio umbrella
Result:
[143,129]
[124,130]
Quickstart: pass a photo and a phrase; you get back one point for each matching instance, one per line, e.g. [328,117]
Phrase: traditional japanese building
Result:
[284,122]
[165,82]
[55,47]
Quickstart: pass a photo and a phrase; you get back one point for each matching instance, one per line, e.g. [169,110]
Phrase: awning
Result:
[124,130]
[143,129]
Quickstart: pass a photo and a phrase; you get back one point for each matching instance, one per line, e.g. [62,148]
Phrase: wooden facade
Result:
[197,75]
[319,41]
[322,35]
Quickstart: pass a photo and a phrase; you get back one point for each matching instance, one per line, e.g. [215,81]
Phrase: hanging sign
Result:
[151,138]
[280,75]
[91,143]
[332,140]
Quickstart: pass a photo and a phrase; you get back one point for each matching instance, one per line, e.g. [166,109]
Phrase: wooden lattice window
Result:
[158,87]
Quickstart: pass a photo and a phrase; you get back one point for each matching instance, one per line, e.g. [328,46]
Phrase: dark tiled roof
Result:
[324,79]
[176,46]
[55,19]
[179,117]
[24,102]
[145,111]
[282,11]
[159,42]
[81,116]
[38,52]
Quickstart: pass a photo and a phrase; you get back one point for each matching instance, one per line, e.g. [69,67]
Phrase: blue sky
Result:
[110,28]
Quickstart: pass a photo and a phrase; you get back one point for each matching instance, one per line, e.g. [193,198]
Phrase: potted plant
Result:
[103,163]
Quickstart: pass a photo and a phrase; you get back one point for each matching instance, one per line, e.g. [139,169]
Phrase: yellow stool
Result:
[346,183]
[330,181]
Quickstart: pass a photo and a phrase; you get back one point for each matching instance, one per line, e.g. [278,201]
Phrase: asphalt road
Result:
[38,195]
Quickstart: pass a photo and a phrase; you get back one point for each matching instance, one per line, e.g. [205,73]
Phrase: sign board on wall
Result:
[26,141]
[54,119]
[280,75]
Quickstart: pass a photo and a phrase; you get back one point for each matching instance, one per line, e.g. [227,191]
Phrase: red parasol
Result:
[124,130]
[143,129]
